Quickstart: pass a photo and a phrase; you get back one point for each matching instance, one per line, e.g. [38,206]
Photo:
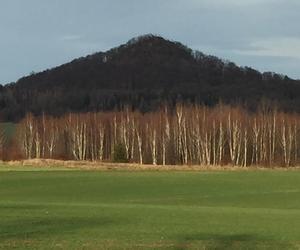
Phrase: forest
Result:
[144,73]
[189,134]
[153,101]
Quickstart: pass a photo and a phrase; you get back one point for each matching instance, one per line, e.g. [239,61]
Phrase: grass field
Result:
[65,209]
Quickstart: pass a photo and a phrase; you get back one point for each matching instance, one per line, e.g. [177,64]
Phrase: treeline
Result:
[187,135]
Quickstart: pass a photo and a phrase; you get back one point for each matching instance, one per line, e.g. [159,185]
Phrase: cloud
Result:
[232,2]
[280,47]
[70,38]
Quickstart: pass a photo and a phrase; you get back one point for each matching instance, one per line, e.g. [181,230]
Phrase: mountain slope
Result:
[144,73]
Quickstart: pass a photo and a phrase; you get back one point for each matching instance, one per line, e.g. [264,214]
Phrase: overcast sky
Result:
[40,34]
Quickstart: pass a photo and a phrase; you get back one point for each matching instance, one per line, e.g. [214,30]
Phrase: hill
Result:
[144,73]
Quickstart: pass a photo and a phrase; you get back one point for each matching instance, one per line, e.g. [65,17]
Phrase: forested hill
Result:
[144,73]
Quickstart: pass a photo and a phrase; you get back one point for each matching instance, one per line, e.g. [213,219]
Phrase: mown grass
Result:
[149,210]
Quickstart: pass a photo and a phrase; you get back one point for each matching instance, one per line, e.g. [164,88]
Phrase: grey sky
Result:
[40,34]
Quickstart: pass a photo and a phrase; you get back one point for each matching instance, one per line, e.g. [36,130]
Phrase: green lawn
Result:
[64,209]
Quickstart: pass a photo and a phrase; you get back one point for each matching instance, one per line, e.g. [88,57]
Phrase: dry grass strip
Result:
[106,166]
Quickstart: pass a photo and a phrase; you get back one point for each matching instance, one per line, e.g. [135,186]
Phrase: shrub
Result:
[119,154]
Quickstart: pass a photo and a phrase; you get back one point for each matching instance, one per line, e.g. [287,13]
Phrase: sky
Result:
[40,34]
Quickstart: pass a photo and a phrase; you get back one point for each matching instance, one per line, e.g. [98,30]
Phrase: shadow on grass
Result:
[229,241]
[39,227]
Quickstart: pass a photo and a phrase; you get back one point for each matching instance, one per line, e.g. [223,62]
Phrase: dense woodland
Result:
[153,101]
[190,134]
[143,74]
